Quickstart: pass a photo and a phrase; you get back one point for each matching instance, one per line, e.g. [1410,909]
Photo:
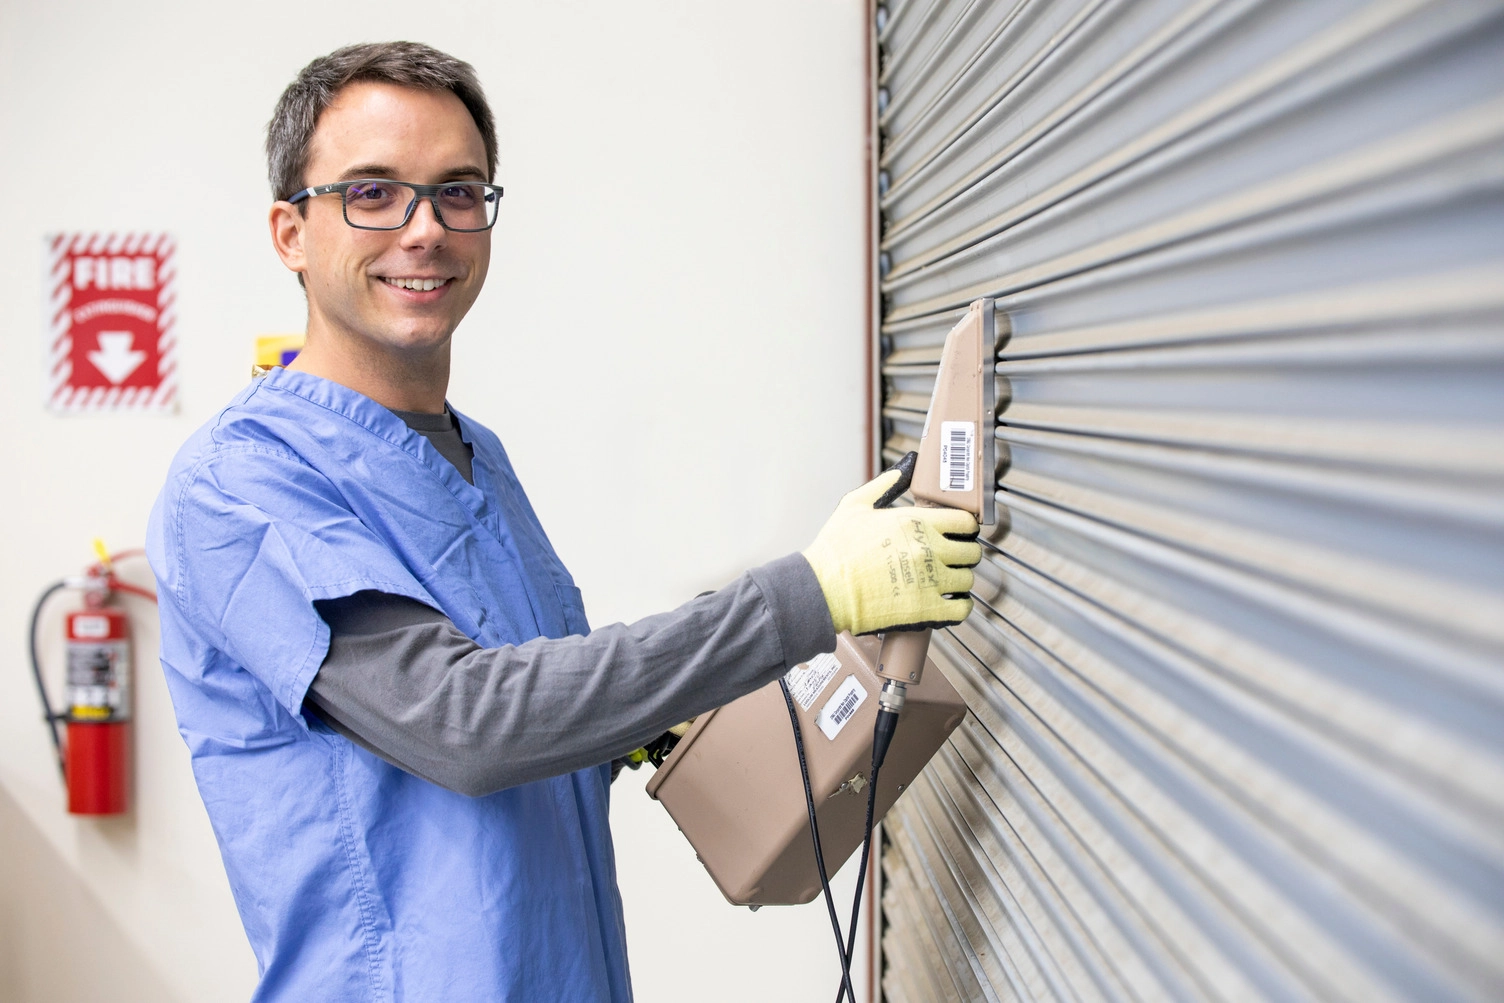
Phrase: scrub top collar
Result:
[380,421]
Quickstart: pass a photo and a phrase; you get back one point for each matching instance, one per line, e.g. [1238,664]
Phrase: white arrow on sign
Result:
[116,356]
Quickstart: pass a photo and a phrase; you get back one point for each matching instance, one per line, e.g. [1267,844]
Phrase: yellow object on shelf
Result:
[275,350]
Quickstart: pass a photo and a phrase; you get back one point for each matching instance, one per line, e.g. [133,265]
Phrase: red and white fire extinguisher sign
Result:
[99,711]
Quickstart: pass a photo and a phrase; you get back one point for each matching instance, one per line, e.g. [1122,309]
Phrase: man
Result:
[399,720]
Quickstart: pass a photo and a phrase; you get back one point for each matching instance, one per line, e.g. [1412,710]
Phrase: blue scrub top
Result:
[354,879]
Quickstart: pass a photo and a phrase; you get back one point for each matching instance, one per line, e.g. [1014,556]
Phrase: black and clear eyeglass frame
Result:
[431,192]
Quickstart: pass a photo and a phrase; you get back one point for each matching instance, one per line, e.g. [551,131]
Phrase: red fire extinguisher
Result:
[99,709]
[95,757]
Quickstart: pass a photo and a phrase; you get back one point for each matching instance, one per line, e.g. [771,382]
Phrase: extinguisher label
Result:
[91,626]
[98,677]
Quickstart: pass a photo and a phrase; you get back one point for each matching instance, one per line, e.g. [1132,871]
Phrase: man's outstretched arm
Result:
[401,680]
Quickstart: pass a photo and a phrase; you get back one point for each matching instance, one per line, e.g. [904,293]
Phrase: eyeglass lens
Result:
[383,204]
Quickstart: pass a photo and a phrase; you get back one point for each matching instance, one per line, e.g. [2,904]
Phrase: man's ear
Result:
[287,236]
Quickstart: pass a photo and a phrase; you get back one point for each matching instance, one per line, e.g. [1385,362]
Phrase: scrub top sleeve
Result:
[258,537]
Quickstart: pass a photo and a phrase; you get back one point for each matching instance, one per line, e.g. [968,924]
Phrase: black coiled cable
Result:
[881,738]
[814,830]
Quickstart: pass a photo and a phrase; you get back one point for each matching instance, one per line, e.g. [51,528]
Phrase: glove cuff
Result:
[827,568]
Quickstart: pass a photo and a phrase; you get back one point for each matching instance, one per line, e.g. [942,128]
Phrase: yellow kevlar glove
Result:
[893,569]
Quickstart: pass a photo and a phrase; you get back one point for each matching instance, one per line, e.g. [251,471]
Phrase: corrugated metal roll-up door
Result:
[1236,669]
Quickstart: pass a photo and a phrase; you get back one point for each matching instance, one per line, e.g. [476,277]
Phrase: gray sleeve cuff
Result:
[800,613]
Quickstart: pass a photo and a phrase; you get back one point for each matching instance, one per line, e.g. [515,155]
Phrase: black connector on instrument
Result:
[882,736]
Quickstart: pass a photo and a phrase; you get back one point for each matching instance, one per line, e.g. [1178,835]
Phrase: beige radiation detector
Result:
[733,783]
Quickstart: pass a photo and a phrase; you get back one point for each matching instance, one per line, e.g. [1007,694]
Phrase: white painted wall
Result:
[670,345]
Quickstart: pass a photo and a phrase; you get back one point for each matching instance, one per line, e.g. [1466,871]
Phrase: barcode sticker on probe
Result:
[957,449]
[841,707]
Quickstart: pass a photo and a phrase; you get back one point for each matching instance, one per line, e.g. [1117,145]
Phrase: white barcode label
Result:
[957,448]
[841,707]
[807,679]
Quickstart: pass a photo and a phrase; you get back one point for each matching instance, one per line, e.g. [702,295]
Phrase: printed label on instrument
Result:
[807,679]
[841,707]
[957,451]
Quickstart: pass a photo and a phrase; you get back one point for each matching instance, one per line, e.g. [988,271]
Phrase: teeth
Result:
[421,285]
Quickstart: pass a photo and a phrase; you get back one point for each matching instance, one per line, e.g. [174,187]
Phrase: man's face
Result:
[355,278]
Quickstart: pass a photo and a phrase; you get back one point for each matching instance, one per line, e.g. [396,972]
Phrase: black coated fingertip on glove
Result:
[905,468]
[914,628]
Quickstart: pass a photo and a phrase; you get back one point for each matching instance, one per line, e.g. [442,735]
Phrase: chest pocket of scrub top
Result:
[573,604]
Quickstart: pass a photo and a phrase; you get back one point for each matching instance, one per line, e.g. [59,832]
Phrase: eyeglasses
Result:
[379,204]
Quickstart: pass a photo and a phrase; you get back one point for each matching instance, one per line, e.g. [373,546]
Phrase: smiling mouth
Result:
[419,285]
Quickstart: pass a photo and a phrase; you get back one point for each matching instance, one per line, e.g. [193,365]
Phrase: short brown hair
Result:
[407,64]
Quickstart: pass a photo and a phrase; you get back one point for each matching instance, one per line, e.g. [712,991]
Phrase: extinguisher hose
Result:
[51,718]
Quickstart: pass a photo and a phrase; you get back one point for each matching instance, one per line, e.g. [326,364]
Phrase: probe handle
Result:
[902,656]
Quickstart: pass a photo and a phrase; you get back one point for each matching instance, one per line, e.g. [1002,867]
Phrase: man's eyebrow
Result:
[383,171]
[368,171]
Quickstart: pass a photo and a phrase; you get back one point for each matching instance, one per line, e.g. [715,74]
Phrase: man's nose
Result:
[424,229]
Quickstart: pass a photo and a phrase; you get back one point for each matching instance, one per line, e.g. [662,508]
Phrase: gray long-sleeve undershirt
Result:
[402,681]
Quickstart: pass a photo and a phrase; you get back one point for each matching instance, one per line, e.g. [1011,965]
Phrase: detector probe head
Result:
[957,449]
